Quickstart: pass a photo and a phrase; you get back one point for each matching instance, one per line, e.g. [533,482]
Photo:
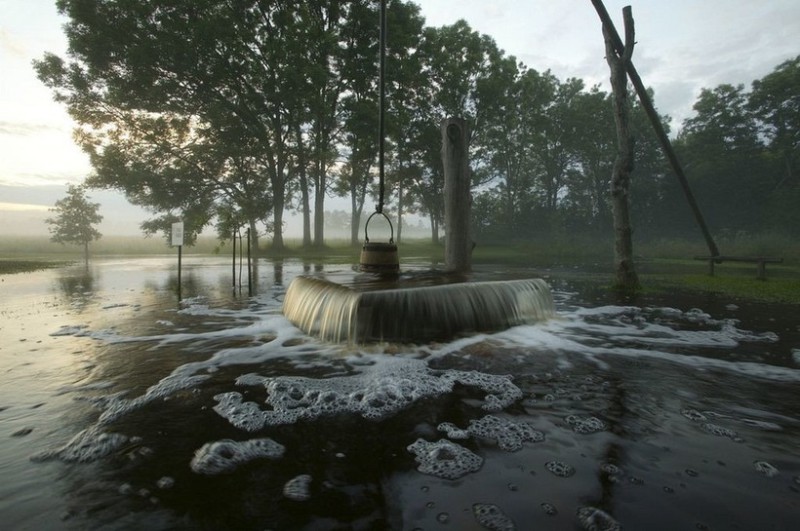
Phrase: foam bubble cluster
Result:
[719,431]
[594,519]
[509,435]
[225,456]
[492,517]
[89,445]
[765,468]
[452,431]
[379,392]
[560,469]
[585,425]
[243,415]
[693,414]
[298,488]
[444,459]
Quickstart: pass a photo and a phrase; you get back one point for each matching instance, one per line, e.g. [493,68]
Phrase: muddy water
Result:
[122,408]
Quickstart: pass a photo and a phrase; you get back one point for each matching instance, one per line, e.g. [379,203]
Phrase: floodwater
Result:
[122,408]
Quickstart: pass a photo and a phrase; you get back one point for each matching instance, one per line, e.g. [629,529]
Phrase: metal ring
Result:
[366,225]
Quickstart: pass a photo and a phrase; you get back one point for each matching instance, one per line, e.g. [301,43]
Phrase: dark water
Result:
[122,409]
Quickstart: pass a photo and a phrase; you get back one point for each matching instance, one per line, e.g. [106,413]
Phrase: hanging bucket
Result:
[379,257]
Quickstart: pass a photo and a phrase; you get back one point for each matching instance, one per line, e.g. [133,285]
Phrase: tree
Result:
[775,103]
[722,152]
[74,220]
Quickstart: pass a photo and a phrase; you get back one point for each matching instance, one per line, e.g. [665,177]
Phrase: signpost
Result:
[177,240]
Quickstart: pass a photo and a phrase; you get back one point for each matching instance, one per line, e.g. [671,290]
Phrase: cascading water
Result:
[338,313]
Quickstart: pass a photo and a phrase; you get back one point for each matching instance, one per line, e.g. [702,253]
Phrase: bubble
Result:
[444,459]
[443,518]
[610,469]
[560,469]
[453,431]
[225,456]
[509,435]
[692,473]
[693,414]
[549,509]
[594,519]
[765,468]
[585,425]
[165,482]
[298,488]
[492,517]
[243,415]
[719,431]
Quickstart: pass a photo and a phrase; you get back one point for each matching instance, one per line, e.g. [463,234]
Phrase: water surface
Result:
[123,408]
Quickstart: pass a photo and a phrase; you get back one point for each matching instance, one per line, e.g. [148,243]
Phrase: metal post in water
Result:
[233,261]
[249,269]
[180,249]
[457,198]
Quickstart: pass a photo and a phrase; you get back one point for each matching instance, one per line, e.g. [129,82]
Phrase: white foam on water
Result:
[596,341]
[492,517]
[88,445]
[444,459]
[765,468]
[594,519]
[796,355]
[298,488]
[509,435]
[225,456]
[388,386]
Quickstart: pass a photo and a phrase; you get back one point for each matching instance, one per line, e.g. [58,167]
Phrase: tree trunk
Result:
[303,177]
[626,278]
[399,209]
[457,197]
[86,254]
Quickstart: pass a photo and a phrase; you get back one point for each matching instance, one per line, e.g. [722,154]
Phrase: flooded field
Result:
[123,408]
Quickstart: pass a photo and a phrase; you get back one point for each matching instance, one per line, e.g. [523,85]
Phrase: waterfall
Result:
[339,313]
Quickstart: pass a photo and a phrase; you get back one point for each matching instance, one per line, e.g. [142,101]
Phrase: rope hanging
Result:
[382,106]
[380,257]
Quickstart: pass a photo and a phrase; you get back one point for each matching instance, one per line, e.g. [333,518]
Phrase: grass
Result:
[662,265]
[9,267]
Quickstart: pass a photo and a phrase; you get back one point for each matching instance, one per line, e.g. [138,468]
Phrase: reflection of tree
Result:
[278,272]
[77,286]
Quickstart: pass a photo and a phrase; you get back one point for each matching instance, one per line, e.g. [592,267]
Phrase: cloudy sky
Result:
[682,46]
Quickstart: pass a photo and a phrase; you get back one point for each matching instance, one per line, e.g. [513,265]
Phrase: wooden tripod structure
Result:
[647,104]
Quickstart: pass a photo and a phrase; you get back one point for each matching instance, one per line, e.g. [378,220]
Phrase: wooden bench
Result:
[759,260]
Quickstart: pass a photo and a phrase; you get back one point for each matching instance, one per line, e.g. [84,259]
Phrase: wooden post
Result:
[655,120]
[626,278]
[457,198]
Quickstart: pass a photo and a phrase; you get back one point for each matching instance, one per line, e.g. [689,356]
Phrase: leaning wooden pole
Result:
[457,198]
[655,120]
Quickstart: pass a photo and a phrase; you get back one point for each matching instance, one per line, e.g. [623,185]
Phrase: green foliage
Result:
[231,112]
[75,217]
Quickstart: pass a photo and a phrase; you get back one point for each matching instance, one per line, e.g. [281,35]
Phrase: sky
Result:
[682,46]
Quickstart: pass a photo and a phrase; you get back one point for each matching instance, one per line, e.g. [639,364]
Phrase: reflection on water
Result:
[131,411]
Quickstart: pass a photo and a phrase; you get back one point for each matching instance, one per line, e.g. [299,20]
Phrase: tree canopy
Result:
[238,110]
[74,220]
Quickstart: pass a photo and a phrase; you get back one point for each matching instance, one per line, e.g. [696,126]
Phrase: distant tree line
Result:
[235,111]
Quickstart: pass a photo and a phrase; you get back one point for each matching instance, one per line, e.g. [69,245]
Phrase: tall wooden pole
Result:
[626,278]
[457,197]
[655,120]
